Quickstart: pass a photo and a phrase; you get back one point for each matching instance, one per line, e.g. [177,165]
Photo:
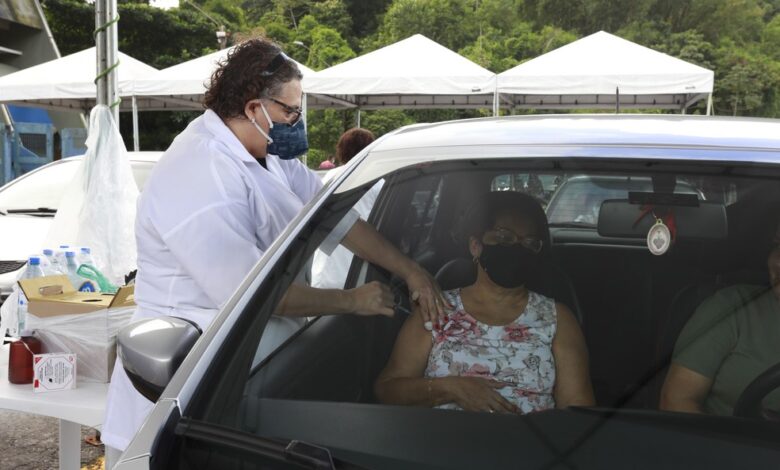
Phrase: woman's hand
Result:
[479,394]
[373,298]
[425,292]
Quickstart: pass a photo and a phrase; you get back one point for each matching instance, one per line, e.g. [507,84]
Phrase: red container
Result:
[20,359]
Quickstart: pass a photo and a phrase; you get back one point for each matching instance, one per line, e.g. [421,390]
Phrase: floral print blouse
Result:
[519,354]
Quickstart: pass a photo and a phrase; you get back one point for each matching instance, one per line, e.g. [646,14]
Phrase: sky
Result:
[164,4]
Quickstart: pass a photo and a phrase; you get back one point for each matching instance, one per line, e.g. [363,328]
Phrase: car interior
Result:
[630,303]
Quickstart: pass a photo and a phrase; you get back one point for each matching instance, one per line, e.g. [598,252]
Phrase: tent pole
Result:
[709,104]
[496,104]
[617,100]
[136,145]
[358,118]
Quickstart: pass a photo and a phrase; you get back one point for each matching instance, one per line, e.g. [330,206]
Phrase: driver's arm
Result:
[684,390]
[705,342]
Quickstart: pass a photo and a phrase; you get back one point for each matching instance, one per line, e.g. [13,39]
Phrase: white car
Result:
[714,184]
[28,205]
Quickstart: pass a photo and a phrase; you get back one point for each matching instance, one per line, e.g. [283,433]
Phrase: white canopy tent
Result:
[413,73]
[182,86]
[596,70]
[68,83]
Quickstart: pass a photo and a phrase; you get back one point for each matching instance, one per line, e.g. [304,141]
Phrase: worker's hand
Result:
[426,294]
[373,298]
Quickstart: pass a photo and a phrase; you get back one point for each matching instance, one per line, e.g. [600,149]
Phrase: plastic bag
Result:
[9,321]
[98,208]
[91,336]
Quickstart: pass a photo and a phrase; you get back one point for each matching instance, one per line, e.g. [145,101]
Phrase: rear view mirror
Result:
[152,350]
[622,219]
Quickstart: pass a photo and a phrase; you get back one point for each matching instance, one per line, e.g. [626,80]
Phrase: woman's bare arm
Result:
[572,381]
[402,382]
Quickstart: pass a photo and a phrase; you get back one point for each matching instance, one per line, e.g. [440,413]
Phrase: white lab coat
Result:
[329,271]
[208,212]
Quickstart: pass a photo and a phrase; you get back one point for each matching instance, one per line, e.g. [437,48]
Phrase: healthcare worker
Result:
[219,196]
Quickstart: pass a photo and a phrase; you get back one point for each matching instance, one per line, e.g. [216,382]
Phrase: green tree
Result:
[448,22]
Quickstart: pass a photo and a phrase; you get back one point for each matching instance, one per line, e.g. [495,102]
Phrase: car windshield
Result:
[663,272]
[45,187]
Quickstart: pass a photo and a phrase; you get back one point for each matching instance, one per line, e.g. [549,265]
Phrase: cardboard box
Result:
[80,323]
[54,295]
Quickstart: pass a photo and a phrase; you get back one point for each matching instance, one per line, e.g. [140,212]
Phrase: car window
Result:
[579,198]
[539,185]
[46,187]
[314,380]
[42,188]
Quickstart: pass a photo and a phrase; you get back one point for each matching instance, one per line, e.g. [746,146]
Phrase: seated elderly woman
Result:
[502,348]
[729,341]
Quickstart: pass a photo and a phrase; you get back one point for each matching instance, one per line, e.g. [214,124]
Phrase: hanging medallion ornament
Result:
[659,238]
[661,235]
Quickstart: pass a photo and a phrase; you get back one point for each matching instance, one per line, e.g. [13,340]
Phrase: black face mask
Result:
[509,266]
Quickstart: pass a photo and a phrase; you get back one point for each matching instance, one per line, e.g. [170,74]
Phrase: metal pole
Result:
[100,51]
[617,100]
[709,104]
[107,53]
[496,104]
[358,117]
[136,145]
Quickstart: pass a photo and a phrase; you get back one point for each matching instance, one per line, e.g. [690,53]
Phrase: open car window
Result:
[316,382]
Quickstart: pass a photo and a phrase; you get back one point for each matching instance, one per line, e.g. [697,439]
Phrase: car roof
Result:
[668,137]
[599,129]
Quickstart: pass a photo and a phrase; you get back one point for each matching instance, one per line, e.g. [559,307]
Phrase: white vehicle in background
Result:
[28,205]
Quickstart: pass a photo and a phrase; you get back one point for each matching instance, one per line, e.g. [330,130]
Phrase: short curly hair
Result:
[239,78]
[351,143]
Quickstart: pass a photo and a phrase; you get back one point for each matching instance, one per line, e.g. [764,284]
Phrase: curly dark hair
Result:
[239,78]
[351,143]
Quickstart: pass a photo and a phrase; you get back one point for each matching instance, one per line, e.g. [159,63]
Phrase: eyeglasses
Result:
[504,236]
[293,113]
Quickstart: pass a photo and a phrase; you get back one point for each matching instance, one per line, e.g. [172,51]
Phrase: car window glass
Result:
[578,199]
[539,185]
[419,218]
[46,187]
[631,305]
[42,188]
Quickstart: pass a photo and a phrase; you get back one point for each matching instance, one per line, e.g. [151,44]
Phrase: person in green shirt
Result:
[730,340]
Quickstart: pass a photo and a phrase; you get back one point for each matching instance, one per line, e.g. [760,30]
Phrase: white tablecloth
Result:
[85,405]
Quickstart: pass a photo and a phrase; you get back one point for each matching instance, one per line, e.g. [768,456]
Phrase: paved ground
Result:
[29,442]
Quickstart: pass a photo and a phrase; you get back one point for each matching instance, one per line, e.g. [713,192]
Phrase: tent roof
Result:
[67,82]
[414,71]
[594,67]
[184,84]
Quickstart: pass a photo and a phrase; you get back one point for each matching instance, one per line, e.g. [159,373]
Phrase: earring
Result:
[476,260]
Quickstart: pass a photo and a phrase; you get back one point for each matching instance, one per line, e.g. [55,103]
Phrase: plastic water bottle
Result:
[85,256]
[49,263]
[59,256]
[33,270]
[71,266]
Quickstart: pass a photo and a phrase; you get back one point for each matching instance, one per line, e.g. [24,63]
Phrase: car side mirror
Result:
[151,351]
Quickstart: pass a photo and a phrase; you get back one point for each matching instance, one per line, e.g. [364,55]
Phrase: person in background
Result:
[350,144]
[503,347]
[330,271]
[729,341]
[225,189]
[326,165]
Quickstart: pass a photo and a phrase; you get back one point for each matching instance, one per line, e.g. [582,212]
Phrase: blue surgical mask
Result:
[284,140]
